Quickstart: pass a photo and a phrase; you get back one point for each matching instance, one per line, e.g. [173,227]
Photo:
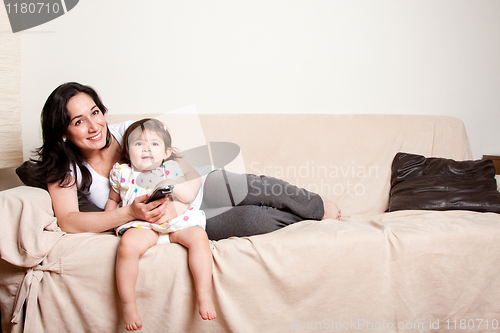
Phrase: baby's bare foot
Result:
[131,317]
[332,211]
[207,308]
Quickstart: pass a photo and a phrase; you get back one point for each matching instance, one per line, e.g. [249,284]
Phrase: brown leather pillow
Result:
[435,183]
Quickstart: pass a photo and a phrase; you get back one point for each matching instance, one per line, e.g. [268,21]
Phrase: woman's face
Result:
[147,150]
[87,128]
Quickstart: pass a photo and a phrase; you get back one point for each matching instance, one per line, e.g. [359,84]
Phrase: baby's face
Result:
[147,150]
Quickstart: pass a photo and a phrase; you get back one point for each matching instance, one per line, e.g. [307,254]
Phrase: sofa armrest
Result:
[29,227]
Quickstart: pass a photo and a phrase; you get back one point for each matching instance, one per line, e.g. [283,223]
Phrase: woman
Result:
[79,150]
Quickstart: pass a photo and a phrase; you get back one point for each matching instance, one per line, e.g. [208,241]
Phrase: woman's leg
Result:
[254,198]
[133,244]
[242,221]
[226,189]
[200,263]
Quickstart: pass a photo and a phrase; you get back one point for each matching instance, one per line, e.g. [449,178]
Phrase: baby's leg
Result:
[133,244]
[200,263]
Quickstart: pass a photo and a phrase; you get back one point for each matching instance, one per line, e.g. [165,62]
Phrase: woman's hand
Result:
[150,212]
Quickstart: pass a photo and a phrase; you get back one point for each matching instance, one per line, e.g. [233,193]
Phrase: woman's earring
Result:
[64,140]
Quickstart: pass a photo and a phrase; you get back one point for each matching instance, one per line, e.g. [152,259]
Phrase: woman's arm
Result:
[71,220]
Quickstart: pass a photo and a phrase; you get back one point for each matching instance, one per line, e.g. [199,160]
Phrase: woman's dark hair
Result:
[55,156]
[148,124]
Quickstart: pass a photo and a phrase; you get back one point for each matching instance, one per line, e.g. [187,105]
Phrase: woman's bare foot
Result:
[332,211]
[207,308]
[131,317]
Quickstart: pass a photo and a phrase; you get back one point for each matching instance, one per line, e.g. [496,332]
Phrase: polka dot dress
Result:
[131,184]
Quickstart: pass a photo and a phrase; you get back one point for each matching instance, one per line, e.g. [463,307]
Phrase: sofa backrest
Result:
[346,158]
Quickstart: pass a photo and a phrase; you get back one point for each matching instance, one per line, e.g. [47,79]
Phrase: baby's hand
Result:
[170,210]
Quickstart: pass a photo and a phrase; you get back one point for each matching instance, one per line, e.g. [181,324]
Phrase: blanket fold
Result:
[29,233]
[29,227]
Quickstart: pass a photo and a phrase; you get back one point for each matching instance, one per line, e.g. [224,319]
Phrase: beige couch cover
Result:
[371,271]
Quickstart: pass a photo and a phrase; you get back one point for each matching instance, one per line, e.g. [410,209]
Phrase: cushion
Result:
[25,173]
[435,183]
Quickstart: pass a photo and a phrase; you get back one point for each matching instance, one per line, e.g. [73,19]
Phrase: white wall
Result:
[439,57]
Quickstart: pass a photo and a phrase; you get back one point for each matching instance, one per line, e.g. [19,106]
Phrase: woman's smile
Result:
[96,137]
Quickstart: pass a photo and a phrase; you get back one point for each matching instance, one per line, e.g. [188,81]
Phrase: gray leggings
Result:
[245,204]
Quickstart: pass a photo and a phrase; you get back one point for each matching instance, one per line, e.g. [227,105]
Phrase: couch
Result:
[370,271]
